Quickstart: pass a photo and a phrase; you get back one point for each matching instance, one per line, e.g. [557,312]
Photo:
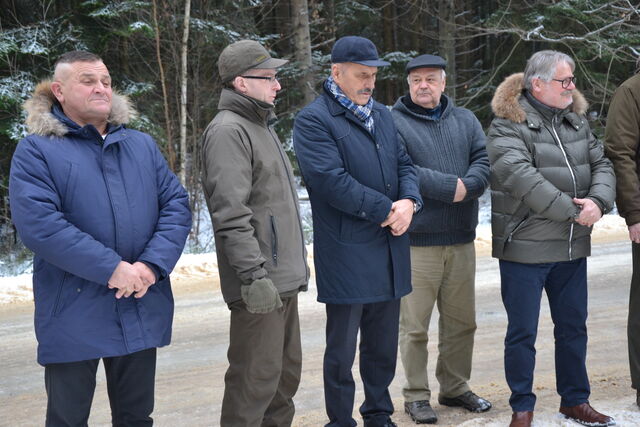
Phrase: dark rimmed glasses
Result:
[271,79]
[566,82]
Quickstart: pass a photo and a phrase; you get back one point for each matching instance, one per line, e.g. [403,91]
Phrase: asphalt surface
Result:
[191,370]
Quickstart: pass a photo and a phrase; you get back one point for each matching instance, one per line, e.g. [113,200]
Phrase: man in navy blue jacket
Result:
[363,193]
[107,221]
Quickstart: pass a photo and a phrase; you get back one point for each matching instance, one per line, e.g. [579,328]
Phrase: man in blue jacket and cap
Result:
[363,193]
[107,221]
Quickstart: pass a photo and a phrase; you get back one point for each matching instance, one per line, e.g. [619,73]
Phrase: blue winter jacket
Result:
[352,178]
[82,205]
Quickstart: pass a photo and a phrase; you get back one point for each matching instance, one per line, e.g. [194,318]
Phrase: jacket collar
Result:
[335,108]
[509,103]
[247,107]
[445,101]
[45,117]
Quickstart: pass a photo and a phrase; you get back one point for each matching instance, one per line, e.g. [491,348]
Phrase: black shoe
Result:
[638,397]
[469,401]
[421,412]
[375,421]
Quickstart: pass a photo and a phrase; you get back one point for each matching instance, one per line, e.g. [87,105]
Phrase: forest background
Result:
[163,55]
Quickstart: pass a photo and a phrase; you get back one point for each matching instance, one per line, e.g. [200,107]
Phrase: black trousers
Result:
[633,325]
[378,327]
[130,385]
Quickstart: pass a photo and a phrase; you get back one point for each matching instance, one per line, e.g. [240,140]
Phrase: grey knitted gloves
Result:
[261,296]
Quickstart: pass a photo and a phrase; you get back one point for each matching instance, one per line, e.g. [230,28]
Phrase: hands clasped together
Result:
[131,278]
[400,216]
[590,213]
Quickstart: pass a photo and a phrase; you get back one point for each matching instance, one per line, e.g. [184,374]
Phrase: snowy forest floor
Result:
[191,370]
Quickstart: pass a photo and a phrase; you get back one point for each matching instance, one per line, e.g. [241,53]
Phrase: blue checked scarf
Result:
[362,112]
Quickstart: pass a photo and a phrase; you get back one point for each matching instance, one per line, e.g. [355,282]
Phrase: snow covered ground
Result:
[624,413]
[18,288]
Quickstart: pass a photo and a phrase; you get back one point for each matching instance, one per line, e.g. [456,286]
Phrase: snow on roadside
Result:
[15,288]
[623,412]
[18,288]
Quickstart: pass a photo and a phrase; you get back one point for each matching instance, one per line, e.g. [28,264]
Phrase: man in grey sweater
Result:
[447,146]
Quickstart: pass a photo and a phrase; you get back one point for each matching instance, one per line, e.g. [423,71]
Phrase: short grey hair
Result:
[542,65]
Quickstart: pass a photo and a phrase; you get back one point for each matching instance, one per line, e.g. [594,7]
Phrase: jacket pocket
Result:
[58,303]
[274,241]
[70,186]
[516,228]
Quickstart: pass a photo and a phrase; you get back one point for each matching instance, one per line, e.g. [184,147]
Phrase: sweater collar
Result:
[429,113]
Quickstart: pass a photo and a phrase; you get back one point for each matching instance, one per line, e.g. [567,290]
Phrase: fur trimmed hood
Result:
[505,103]
[40,121]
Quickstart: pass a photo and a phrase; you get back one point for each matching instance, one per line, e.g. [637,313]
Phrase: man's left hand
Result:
[590,213]
[461,192]
[400,217]
[147,276]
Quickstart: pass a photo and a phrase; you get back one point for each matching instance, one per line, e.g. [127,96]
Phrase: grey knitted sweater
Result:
[442,150]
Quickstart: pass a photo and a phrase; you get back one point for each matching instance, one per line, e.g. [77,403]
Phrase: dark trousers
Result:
[633,325]
[566,286]
[265,364]
[378,326]
[130,385]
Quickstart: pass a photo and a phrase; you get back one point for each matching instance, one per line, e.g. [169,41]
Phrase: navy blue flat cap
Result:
[426,61]
[356,49]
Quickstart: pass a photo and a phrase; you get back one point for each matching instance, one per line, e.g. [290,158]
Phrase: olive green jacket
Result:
[621,143]
[249,187]
[540,161]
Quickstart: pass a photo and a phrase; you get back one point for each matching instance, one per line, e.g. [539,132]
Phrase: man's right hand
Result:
[261,296]
[126,279]
[634,233]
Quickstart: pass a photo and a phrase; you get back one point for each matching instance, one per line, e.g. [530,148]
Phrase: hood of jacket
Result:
[506,101]
[41,121]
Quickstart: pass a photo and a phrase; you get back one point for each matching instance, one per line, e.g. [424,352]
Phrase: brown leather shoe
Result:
[521,419]
[586,415]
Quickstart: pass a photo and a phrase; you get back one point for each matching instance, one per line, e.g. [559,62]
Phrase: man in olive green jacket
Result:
[251,196]
[550,182]
[622,140]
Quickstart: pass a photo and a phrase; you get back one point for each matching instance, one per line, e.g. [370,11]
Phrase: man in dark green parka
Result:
[249,187]
[622,141]
[550,182]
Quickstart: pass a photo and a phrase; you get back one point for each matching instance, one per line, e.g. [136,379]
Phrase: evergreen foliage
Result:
[491,39]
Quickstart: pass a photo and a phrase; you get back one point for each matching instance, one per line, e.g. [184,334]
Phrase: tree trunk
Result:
[183,94]
[446,31]
[302,48]
[388,31]
[171,154]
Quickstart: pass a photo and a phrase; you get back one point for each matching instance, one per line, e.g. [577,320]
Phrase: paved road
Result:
[190,371]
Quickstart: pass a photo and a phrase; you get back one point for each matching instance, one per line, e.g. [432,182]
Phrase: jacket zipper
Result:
[274,241]
[515,229]
[293,195]
[573,177]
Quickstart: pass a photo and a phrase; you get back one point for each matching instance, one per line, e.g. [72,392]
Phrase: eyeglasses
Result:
[270,78]
[566,82]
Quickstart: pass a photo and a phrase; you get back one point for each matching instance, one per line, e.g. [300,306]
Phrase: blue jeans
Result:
[566,286]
